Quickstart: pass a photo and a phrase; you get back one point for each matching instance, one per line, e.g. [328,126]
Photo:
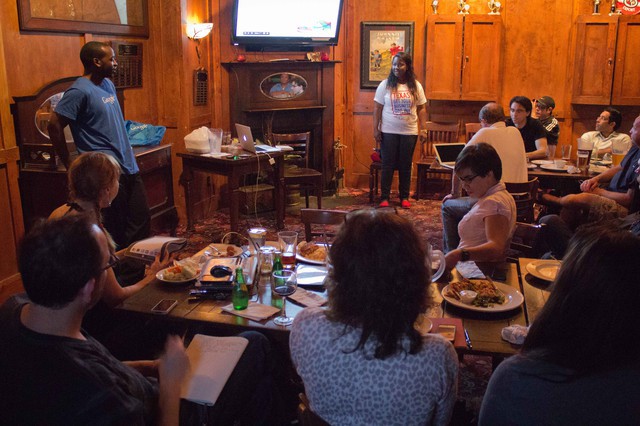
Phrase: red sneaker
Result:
[384,203]
[405,204]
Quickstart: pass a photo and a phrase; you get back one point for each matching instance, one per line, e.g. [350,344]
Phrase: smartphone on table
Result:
[164,306]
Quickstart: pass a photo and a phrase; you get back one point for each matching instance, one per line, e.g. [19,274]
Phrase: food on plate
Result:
[229,251]
[488,294]
[312,251]
[179,273]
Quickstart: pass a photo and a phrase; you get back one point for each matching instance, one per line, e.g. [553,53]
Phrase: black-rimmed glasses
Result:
[113,261]
[467,179]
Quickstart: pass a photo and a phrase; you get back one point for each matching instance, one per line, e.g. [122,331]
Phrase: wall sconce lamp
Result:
[197,31]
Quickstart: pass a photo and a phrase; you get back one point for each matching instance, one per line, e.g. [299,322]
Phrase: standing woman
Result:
[399,104]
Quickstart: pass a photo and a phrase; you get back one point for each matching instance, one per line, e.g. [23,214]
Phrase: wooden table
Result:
[484,328]
[536,291]
[234,170]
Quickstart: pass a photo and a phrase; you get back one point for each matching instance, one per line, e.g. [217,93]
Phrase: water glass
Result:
[258,236]
[288,245]
[566,152]
[284,283]
[551,151]
[215,140]
[266,259]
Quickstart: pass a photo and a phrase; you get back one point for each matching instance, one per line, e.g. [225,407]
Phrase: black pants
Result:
[397,153]
[128,219]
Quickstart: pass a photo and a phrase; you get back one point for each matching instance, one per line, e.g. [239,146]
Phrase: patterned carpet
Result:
[425,214]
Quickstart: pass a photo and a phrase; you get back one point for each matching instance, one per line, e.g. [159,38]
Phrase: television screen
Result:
[286,22]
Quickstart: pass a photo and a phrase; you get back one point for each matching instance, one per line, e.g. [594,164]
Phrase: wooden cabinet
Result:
[464,57]
[605,66]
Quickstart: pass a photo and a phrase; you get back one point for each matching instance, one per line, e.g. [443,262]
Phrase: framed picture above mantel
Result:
[124,17]
[380,41]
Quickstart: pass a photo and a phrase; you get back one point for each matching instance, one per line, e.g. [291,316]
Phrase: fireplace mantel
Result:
[312,110]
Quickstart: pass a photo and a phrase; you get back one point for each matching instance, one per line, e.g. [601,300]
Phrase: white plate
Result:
[222,250]
[602,162]
[301,258]
[553,168]
[544,269]
[160,276]
[532,166]
[541,162]
[512,299]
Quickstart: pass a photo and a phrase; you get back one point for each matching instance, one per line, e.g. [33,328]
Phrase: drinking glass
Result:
[284,283]
[288,245]
[215,140]
[618,150]
[258,236]
[266,258]
[566,152]
[551,152]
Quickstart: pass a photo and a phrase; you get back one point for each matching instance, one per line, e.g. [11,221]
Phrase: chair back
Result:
[300,143]
[524,194]
[437,133]
[471,129]
[524,240]
[306,416]
[321,223]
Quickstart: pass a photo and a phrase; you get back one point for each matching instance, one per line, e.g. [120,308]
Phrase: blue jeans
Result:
[397,153]
[453,210]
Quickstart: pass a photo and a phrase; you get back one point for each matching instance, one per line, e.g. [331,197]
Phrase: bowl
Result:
[468,296]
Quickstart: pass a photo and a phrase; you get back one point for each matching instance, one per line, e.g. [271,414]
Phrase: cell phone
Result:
[164,306]
[447,331]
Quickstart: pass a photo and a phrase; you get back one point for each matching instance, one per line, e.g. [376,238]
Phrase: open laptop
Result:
[447,153]
[246,141]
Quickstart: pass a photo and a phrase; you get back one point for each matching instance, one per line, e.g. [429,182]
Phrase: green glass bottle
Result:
[277,263]
[240,293]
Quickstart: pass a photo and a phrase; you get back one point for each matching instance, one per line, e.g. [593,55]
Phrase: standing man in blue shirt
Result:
[90,107]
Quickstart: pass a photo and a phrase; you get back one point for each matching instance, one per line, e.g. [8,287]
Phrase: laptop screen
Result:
[448,152]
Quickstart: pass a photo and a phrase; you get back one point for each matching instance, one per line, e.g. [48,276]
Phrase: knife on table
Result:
[467,339]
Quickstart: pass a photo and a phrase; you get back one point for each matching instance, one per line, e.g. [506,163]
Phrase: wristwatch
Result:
[465,255]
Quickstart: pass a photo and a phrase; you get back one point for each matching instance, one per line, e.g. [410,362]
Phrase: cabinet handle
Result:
[610,61]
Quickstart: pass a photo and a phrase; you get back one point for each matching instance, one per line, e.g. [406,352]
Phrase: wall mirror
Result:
[122,17]
[43,114]
[283,86]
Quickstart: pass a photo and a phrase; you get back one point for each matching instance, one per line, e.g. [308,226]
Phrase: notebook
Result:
[447,153]
[246,141]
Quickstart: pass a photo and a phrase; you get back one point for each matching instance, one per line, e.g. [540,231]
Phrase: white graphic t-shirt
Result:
[399,112]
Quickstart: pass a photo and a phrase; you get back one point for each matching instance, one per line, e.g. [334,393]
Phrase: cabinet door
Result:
[444,56]
[481,65]
[594,57]
[626,79]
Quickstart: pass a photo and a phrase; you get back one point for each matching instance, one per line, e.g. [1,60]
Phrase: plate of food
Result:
[490,296]
[177,274]
[314,253]
[542,162]
[224,250]
[544,269]
[554,168]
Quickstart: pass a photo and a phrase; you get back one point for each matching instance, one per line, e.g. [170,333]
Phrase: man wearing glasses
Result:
[606,133]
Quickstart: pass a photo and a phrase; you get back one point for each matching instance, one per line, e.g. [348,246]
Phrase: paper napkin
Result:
[307,298]
[255,311]
[469,270]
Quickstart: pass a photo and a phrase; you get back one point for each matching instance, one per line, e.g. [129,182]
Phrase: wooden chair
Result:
[374,179]
[524,193]
[524,240]
[471,129]
[330,218]
[306,417]
[436,133]
[296,170]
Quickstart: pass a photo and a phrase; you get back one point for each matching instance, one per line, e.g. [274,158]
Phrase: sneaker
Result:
[384,203]
[405,204]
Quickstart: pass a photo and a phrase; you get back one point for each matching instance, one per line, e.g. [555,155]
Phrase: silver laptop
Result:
[246,141]
[446,153]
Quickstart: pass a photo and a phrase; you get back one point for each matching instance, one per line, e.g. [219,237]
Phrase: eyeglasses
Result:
[467,179]
[113,261]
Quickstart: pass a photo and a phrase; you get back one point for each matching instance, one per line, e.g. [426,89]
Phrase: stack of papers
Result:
[255,311]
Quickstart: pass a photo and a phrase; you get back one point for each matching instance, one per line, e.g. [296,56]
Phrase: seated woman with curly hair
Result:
[362,361]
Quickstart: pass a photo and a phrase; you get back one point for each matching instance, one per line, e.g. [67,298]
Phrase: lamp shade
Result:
[198,31]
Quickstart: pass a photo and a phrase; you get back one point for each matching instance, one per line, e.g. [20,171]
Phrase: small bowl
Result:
[468,296]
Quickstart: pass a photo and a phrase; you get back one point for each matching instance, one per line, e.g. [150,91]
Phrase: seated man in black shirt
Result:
[532,131]
[54,373]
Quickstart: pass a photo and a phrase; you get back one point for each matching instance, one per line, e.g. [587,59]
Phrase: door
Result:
[594,59]
[481,64]
[444,56]
[626,78]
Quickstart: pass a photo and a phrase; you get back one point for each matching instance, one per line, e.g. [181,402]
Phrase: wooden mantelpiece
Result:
[312,111]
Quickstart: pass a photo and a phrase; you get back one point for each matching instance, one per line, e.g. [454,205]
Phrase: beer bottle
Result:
[277,263]
[240,293]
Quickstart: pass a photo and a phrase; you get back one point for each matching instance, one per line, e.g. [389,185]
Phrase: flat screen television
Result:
[286,24]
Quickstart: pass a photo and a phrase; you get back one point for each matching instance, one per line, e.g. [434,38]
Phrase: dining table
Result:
[482,327]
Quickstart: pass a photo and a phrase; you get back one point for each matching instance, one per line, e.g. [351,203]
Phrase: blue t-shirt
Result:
[626,177]
[96,121]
